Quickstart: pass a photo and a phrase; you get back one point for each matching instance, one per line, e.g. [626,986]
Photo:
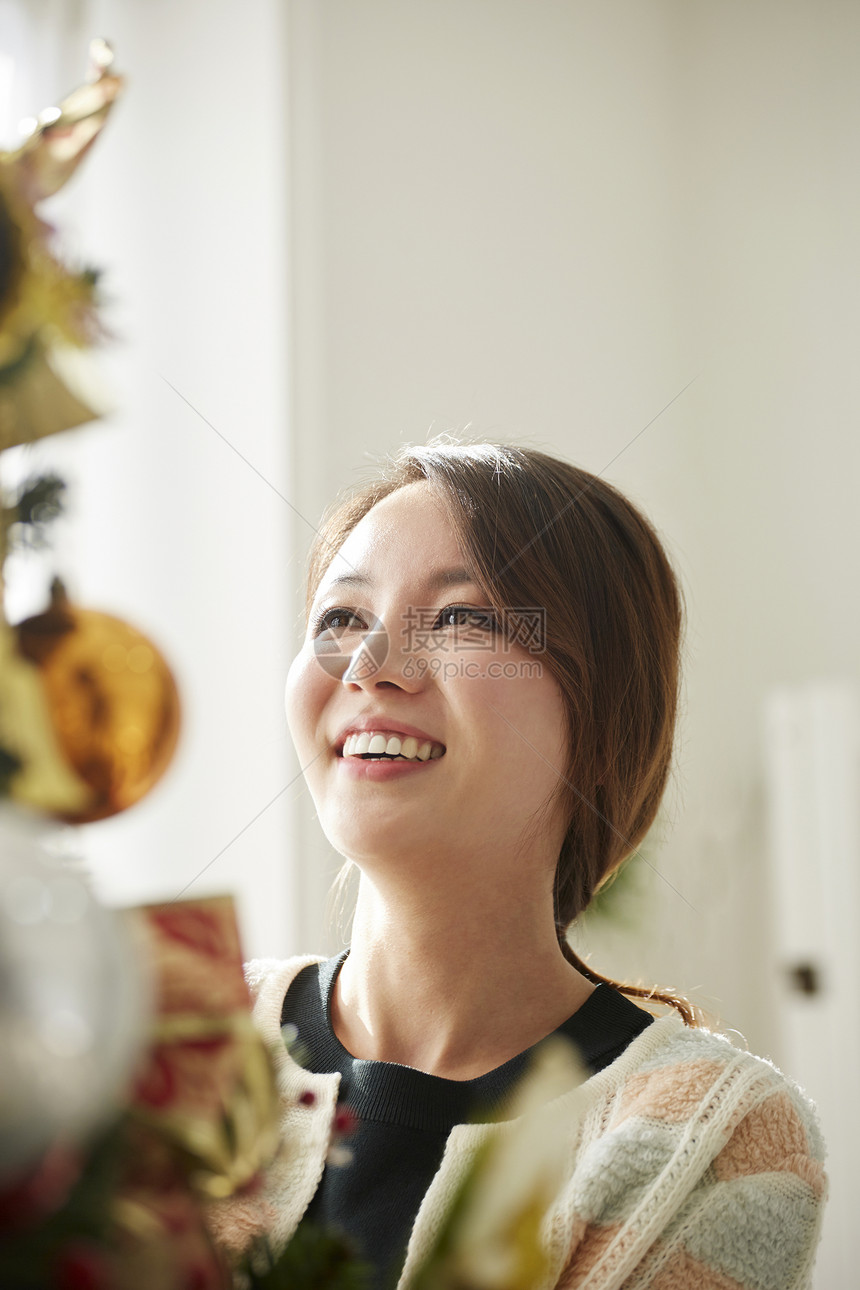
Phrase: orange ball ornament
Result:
[113,702]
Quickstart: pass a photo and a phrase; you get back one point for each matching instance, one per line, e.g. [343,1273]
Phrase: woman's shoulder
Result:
[689,1072]
[714,1149]
[690,1094]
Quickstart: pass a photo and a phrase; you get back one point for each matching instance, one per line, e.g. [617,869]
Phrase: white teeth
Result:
[406,746]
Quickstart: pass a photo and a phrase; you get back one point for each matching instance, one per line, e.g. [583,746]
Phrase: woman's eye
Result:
[467,616]
[336,619]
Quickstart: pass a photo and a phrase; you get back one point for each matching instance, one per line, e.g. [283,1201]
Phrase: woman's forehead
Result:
[407,533]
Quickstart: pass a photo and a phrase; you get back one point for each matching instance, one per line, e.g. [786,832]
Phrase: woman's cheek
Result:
[528,712]
[304,698]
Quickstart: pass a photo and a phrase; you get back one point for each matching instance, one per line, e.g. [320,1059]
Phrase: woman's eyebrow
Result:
[436,581]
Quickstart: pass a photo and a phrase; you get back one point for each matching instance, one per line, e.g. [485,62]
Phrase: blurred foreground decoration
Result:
[497,1231]
[207,1084]
[107,1157]
[123,1208]
[89,712]
[101,1184]
[70,1003]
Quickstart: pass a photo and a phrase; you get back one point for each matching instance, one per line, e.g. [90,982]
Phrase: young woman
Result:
[484,709]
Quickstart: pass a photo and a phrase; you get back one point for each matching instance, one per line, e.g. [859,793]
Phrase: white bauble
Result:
[74,999]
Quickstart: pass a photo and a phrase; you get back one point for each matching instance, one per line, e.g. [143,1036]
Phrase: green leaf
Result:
[315,1259]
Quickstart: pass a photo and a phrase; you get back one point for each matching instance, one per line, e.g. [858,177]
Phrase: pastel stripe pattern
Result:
[706,1171]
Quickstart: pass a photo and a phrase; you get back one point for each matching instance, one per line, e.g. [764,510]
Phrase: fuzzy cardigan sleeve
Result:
[702,1169]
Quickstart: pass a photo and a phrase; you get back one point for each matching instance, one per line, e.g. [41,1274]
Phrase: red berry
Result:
[345,1120]
[80,1267]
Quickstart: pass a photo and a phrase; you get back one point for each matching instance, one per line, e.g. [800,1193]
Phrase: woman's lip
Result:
[358,768]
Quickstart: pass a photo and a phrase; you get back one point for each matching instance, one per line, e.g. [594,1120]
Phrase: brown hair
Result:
[541,532]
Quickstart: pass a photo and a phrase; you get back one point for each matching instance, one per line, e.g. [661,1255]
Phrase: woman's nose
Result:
[385,656]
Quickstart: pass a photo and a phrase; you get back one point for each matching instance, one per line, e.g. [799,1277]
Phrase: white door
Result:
[813,776]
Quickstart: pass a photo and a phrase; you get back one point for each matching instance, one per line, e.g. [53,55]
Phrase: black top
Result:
[405,1115]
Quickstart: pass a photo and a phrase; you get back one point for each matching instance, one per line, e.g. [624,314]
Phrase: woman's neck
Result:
[454,992]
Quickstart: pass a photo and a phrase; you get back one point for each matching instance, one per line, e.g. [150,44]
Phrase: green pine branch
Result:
[315,1259]
[39,501]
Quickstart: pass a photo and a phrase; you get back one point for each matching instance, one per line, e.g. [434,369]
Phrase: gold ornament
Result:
[112,700]
[45,781]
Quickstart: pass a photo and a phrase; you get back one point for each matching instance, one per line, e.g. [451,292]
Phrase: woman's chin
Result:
[375,849]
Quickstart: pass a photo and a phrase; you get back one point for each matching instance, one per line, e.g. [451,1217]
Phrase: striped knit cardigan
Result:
[693,1165]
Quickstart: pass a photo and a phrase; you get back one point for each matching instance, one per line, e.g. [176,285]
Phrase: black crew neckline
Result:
[403,1095]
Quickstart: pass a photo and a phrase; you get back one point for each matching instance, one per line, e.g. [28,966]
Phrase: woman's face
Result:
[391,660]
